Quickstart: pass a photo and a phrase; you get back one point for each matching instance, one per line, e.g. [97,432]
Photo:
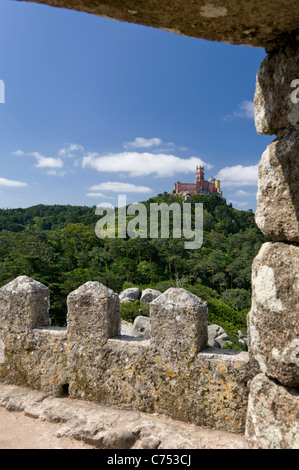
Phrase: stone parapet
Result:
[89,360]
[273,415]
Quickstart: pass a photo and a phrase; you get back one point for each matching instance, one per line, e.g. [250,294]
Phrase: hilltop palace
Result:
[212,186]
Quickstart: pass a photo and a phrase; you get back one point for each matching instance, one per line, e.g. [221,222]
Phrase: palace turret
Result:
[201,186]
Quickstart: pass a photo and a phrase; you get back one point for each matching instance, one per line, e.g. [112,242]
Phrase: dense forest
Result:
[57,246]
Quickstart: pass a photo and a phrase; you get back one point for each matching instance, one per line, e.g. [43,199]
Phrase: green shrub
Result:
[130,310]
[128,285]
[238,299]
[234,347]
[230,320]
[204,292]
[162,286]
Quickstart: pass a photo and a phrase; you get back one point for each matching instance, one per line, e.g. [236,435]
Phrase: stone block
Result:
[93,314]
[272,415]
[141,327]
[178,323]
[148,295]
[223,340]
[126,328]
[277,213]
[130,295]
[277,90]
[92,318]
[217,336]
[273,320]
[24,305]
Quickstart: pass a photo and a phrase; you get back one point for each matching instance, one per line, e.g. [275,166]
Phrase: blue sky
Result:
[95,108]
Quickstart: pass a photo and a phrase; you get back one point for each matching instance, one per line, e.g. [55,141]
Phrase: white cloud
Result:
[55,173]
[12,183]
[244,110]
[41,161]
[238,203]
[18,153]
[47,162]
[95,195]
[238,175]
[242,193]
[142,164]
[67,150]
[141,142]
[117,187]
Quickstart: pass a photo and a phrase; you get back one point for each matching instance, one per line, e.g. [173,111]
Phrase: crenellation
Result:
[24,304]
[178,323]
[93,309]
[172,373]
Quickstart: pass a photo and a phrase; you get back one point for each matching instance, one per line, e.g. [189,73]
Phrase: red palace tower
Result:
[212,186]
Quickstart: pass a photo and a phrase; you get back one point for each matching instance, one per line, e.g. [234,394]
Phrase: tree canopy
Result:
[57,246]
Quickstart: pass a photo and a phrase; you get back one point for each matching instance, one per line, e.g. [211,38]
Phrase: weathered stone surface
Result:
[243,338]
[93,312]
[179,322]
[251,23]
[206,388]
[2,352]
[276,96]
[216,332]
[102,426]
[92,318]
[116,438]
[130,295]
[277,213]
[273,320]
[32,352]
[209,390]
[212,343]
[24,304]
[142,327]
[36,358]
[148,295]
[223,339]
[272,416]
[126,328]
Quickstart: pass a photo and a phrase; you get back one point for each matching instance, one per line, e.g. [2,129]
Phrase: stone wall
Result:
[273,322]
[173,373]
[272,419]
[252,23]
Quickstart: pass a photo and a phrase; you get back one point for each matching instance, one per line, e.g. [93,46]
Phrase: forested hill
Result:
[57,246]
[41,217]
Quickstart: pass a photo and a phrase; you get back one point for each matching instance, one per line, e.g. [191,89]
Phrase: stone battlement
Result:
[174,373]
